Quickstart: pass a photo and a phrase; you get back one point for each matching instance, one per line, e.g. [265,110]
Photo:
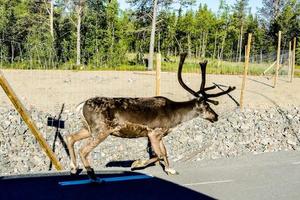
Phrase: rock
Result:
[292,141]
[237,133]
[5,124]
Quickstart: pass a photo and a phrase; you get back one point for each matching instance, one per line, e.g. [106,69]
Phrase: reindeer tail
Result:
[79,109]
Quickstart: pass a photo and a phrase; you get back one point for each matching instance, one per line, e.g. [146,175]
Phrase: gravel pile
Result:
[237,132]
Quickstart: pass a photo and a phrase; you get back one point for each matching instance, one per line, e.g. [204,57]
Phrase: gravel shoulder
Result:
[270,121]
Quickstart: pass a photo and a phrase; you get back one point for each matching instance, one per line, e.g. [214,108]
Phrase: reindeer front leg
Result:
[160,149]
[158,146]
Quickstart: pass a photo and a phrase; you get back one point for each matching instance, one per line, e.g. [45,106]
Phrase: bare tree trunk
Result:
[158,43]
[237,50]
[50,12]
[152,37]
[111,27]
[204,44]
[231,52]
[219,56]
[78,40]
[276,8]
[12,52]
[51,19]
[79,9]
[189,46]
[215,46]
[200,44]
[241,42]
[222,47]
[203,38]
[261,56]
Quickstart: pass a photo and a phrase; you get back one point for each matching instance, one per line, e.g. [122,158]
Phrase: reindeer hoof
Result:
[91,174]
[138,164]
[74,171]
[171,171]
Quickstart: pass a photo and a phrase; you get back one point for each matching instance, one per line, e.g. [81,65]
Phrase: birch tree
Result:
[152,37]
[240,13]
[50,7]
[79,11]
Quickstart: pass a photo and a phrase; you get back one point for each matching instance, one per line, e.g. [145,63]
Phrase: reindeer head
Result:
[202,98]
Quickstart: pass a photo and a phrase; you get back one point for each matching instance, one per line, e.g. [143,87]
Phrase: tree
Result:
[50,10]
[223,29]
[144,5]
[152,37]
[155,4]
[96,33]
[280,15]
[205,21]
[239,11]
[79,6]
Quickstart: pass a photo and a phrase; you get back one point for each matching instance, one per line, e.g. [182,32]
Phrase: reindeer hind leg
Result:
[167,169]
[160,150]
[154,138]
[86,150]
[71,139]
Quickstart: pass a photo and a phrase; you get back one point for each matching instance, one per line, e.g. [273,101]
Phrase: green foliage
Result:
[109,35]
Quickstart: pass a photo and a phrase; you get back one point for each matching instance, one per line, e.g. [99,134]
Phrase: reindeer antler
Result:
[182,58]
[201,92]
[202,89]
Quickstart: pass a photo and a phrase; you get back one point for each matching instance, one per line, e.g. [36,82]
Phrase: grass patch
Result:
[191,66]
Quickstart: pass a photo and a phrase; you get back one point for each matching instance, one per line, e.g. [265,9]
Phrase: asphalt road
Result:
[263,176]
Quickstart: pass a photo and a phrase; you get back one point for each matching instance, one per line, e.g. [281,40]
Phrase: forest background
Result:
[98,34]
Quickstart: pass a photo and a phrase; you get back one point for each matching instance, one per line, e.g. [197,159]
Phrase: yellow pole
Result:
[27,119]
[245,70]
[158,74]
[290,62]
[278,59]
[293,59]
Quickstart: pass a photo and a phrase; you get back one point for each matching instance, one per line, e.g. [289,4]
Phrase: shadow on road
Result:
[46,186]
[123,163]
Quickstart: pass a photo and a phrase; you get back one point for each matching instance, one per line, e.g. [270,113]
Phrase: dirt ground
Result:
[49,90]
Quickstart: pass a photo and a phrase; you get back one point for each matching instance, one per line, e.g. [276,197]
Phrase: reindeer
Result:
[140,117]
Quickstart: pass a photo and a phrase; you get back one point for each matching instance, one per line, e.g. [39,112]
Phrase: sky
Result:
[212,4]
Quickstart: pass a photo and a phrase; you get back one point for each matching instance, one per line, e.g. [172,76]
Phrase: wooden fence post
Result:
[278,59]
[27,119]
[290,62]
[293,59]
[158,74]
[245,70]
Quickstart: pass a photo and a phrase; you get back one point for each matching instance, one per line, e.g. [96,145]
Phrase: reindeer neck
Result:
[183,111]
